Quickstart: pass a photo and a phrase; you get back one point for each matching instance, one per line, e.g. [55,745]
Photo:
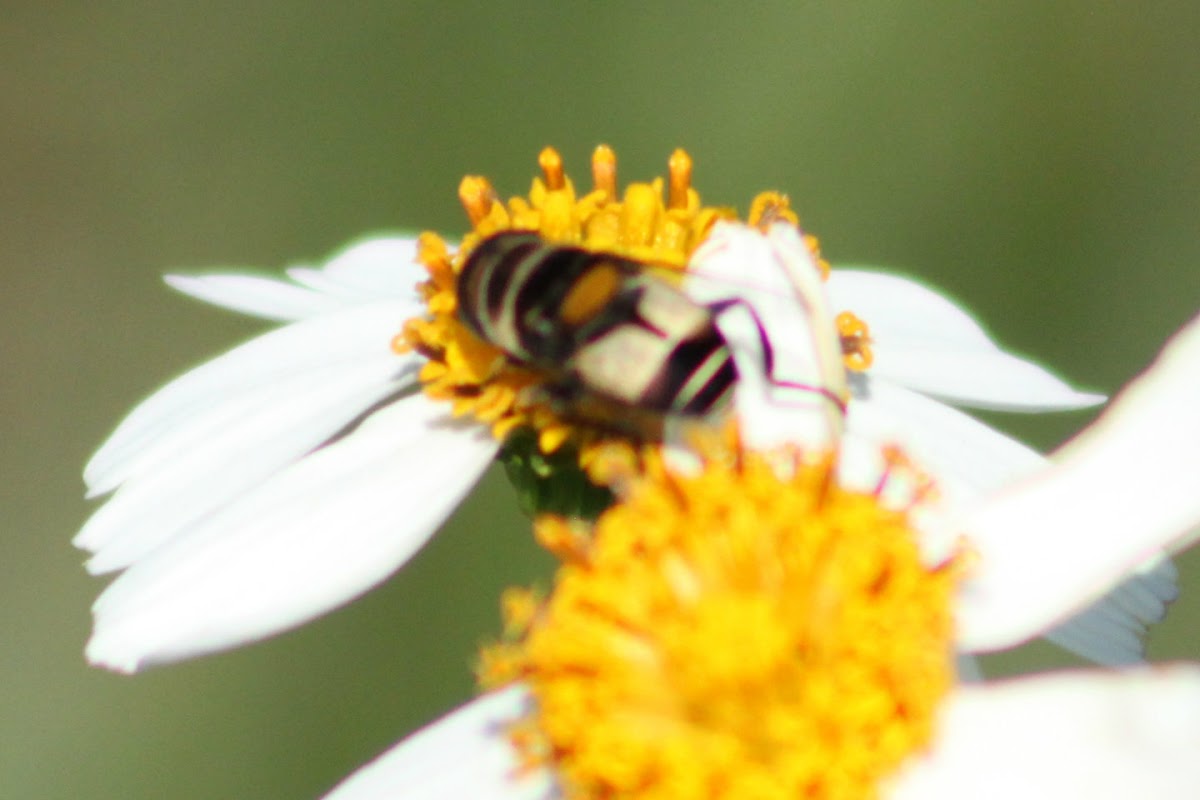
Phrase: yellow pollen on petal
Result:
[733,633]
[856,342]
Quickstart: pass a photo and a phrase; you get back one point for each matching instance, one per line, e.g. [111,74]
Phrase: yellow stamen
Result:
[569,542]
[679,167]
[640,215]
[769,208]
[552,168]
[399,344]
[731,633]
[520,607]
[550,439]
[604,171]
[477,197]
[856,342]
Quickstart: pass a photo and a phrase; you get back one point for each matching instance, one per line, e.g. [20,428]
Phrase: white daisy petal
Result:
[1123,489]
[379,267]
[314,536]
[992,380]
[970,459]
[317,281]
[277,355]
[291,419]
[901,310]
[464,754]
[1083,735]
[373,269]
[966,457]
[266,298]
[925,342]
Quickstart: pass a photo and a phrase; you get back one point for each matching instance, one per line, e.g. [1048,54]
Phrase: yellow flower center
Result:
[660,223]
[731,634]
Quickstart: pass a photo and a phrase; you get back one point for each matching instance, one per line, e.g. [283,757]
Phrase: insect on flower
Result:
[299,469]
[624,348]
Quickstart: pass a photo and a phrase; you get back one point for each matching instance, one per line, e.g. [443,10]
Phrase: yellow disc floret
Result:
[732,634]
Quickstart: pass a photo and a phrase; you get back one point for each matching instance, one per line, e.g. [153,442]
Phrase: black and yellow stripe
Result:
[597,323]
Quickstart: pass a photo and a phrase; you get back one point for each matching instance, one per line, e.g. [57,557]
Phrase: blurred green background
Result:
[1038,161]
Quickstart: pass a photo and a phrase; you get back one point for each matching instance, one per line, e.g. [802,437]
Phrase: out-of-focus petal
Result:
[1115,495]
[903,310]
[969,459]
[466,754]
[924,341]
[315,535]
[288,420]
[992,380]
[1101,736]
[373,269]
[266,298]
[146,434]
[384,266]
[964,456]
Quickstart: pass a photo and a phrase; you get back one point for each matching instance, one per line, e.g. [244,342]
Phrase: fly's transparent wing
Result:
[774,313]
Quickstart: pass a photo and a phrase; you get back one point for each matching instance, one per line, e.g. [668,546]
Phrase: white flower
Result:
[295,472]
[1123,489]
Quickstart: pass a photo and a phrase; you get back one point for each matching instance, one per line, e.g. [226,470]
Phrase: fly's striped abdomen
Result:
[621,347]
[700,375]
[616,342]
[534,300]
[487,285]
[695,368]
